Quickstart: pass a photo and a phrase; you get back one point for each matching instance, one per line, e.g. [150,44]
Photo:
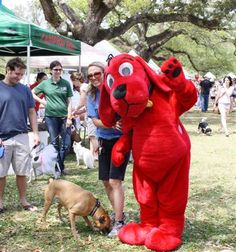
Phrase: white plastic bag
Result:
[48,158]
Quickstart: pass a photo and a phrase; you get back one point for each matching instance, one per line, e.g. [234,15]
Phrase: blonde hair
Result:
[91,89]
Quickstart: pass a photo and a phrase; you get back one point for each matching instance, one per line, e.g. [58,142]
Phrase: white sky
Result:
[13,3]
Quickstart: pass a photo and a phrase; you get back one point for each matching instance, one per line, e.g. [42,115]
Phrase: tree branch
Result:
[51,14]
[157,18]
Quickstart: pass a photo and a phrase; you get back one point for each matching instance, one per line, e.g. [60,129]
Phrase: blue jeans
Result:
[205,101]
[57,128]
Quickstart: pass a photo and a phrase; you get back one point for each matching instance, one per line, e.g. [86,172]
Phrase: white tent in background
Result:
[89,53]
[232,75]
[107,47]
[154,66]
[151,63]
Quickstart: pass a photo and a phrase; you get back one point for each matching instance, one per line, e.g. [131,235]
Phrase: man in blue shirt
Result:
[16,107]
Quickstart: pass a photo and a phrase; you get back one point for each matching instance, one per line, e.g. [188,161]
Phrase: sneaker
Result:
[115,229]
[124,218]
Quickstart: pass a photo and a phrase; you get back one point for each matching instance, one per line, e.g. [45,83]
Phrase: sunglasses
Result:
[95,75]
[57,69]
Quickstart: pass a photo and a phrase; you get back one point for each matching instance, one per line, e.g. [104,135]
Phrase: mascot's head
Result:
[127,85]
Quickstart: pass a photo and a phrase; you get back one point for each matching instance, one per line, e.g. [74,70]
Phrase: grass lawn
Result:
[210,216]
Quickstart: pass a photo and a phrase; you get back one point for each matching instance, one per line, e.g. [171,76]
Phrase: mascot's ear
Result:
[154,78]
[106,112]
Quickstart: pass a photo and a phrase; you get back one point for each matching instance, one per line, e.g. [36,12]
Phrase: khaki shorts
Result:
[17,153]
[91,127]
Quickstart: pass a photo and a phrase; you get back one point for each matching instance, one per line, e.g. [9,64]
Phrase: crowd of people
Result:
[66,106]
[220,93]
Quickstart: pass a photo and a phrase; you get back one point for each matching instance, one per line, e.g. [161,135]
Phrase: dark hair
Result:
[2,76]
[77,76]
[40,76]
[15,63]
[91,88]
[54,63]
[230,80]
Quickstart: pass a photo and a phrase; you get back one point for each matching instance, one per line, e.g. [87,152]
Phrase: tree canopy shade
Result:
[17,36]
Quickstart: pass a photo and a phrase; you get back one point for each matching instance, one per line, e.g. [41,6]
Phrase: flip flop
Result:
[30,208]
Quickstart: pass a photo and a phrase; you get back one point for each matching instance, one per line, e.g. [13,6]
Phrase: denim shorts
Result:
[107,170]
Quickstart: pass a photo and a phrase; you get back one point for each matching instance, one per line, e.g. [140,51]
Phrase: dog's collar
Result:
[97,205]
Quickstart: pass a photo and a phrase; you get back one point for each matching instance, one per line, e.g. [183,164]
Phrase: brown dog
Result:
[78,202]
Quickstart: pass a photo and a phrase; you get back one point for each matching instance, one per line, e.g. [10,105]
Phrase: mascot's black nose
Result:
[120,92]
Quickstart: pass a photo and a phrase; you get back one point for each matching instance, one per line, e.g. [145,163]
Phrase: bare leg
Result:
[22,185]
[118,198]
[93,146]
[223,115]
[115,193]
[2,187]
[109,193]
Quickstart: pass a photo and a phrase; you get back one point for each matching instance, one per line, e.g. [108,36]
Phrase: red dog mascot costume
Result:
[149,106]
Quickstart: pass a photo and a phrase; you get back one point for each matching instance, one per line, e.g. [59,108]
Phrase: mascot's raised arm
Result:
[149,105]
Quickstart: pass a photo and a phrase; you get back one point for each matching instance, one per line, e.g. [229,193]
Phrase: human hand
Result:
[68,122]
[36,139]
[118,125]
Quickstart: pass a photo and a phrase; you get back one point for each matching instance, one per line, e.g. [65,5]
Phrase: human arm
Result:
[69,112]
[37,98]
[81,108]
[34,125]
[98,123]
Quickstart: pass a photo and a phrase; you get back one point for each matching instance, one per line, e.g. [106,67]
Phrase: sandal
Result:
[30,208]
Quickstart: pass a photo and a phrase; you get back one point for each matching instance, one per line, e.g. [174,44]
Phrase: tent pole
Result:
[28,65]
[80,63]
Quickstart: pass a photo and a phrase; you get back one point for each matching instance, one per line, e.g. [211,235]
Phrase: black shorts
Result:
[107,170]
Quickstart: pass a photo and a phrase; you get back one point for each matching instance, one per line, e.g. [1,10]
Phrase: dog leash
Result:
[97,205]
[41,145]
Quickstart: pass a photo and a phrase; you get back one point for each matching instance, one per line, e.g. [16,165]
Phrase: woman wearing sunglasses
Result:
[57,104]
[111,176]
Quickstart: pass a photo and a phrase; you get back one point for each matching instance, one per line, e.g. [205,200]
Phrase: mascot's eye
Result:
[126,69]
[110,80]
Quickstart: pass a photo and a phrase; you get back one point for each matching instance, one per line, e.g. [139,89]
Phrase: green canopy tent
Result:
[21,38]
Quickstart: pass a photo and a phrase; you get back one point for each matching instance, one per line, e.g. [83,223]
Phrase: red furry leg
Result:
[160,241]
[134,233]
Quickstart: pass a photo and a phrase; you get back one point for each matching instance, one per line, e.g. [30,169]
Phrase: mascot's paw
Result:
[117,158]
[172,68]
[134,234]
[159,241]
[174,73]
